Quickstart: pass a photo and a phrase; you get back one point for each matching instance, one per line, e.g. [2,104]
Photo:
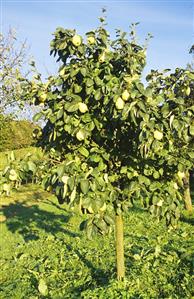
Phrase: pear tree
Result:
[106,131]
[176,90]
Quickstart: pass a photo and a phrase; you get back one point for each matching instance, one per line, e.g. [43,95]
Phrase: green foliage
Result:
[114,137]
[177,102]
[4,130]
[29,168]
[15,134]
[40,244]
[19,154]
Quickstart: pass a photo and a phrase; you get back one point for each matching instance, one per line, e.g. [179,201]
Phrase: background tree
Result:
[176,90]
[13,66]
[15,134]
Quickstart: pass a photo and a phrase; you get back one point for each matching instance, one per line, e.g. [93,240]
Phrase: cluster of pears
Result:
[120,102]
[77,40]
[83,108]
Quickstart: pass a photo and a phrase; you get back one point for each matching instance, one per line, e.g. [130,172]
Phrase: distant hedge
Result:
[15,134]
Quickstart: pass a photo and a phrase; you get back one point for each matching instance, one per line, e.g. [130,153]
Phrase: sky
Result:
[169,21]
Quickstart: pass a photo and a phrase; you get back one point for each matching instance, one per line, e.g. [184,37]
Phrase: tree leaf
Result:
[31,166]
[72,107]
[171,120]
[42,287]
[84,151]
[37,116]
[73,195]
[83,71]
[84,185]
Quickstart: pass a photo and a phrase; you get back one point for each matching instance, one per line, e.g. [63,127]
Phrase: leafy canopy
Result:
[111,136]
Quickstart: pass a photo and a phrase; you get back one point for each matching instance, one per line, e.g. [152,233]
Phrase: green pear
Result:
[76,40]
[119,104]
[83,107]
[102,58]
[43,97]
[91,40]
[158,135]
[188,91]
[125,95]
[80,135]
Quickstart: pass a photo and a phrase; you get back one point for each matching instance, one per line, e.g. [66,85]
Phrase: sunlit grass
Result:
[40,239]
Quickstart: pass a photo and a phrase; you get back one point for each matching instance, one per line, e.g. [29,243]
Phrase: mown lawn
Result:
[41,242]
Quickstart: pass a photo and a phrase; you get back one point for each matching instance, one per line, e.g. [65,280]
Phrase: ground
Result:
[41,242]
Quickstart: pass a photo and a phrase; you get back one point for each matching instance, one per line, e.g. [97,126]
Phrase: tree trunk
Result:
[120,248]
[187,194]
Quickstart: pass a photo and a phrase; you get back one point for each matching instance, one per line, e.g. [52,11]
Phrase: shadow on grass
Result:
[187,219]
[137,209]
[100,277]
[29,221]
[52,203]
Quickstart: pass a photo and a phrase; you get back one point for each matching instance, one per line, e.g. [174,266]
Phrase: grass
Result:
[20,153]
[40,240]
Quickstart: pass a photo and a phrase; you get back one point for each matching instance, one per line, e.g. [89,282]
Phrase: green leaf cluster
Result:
[18,171]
